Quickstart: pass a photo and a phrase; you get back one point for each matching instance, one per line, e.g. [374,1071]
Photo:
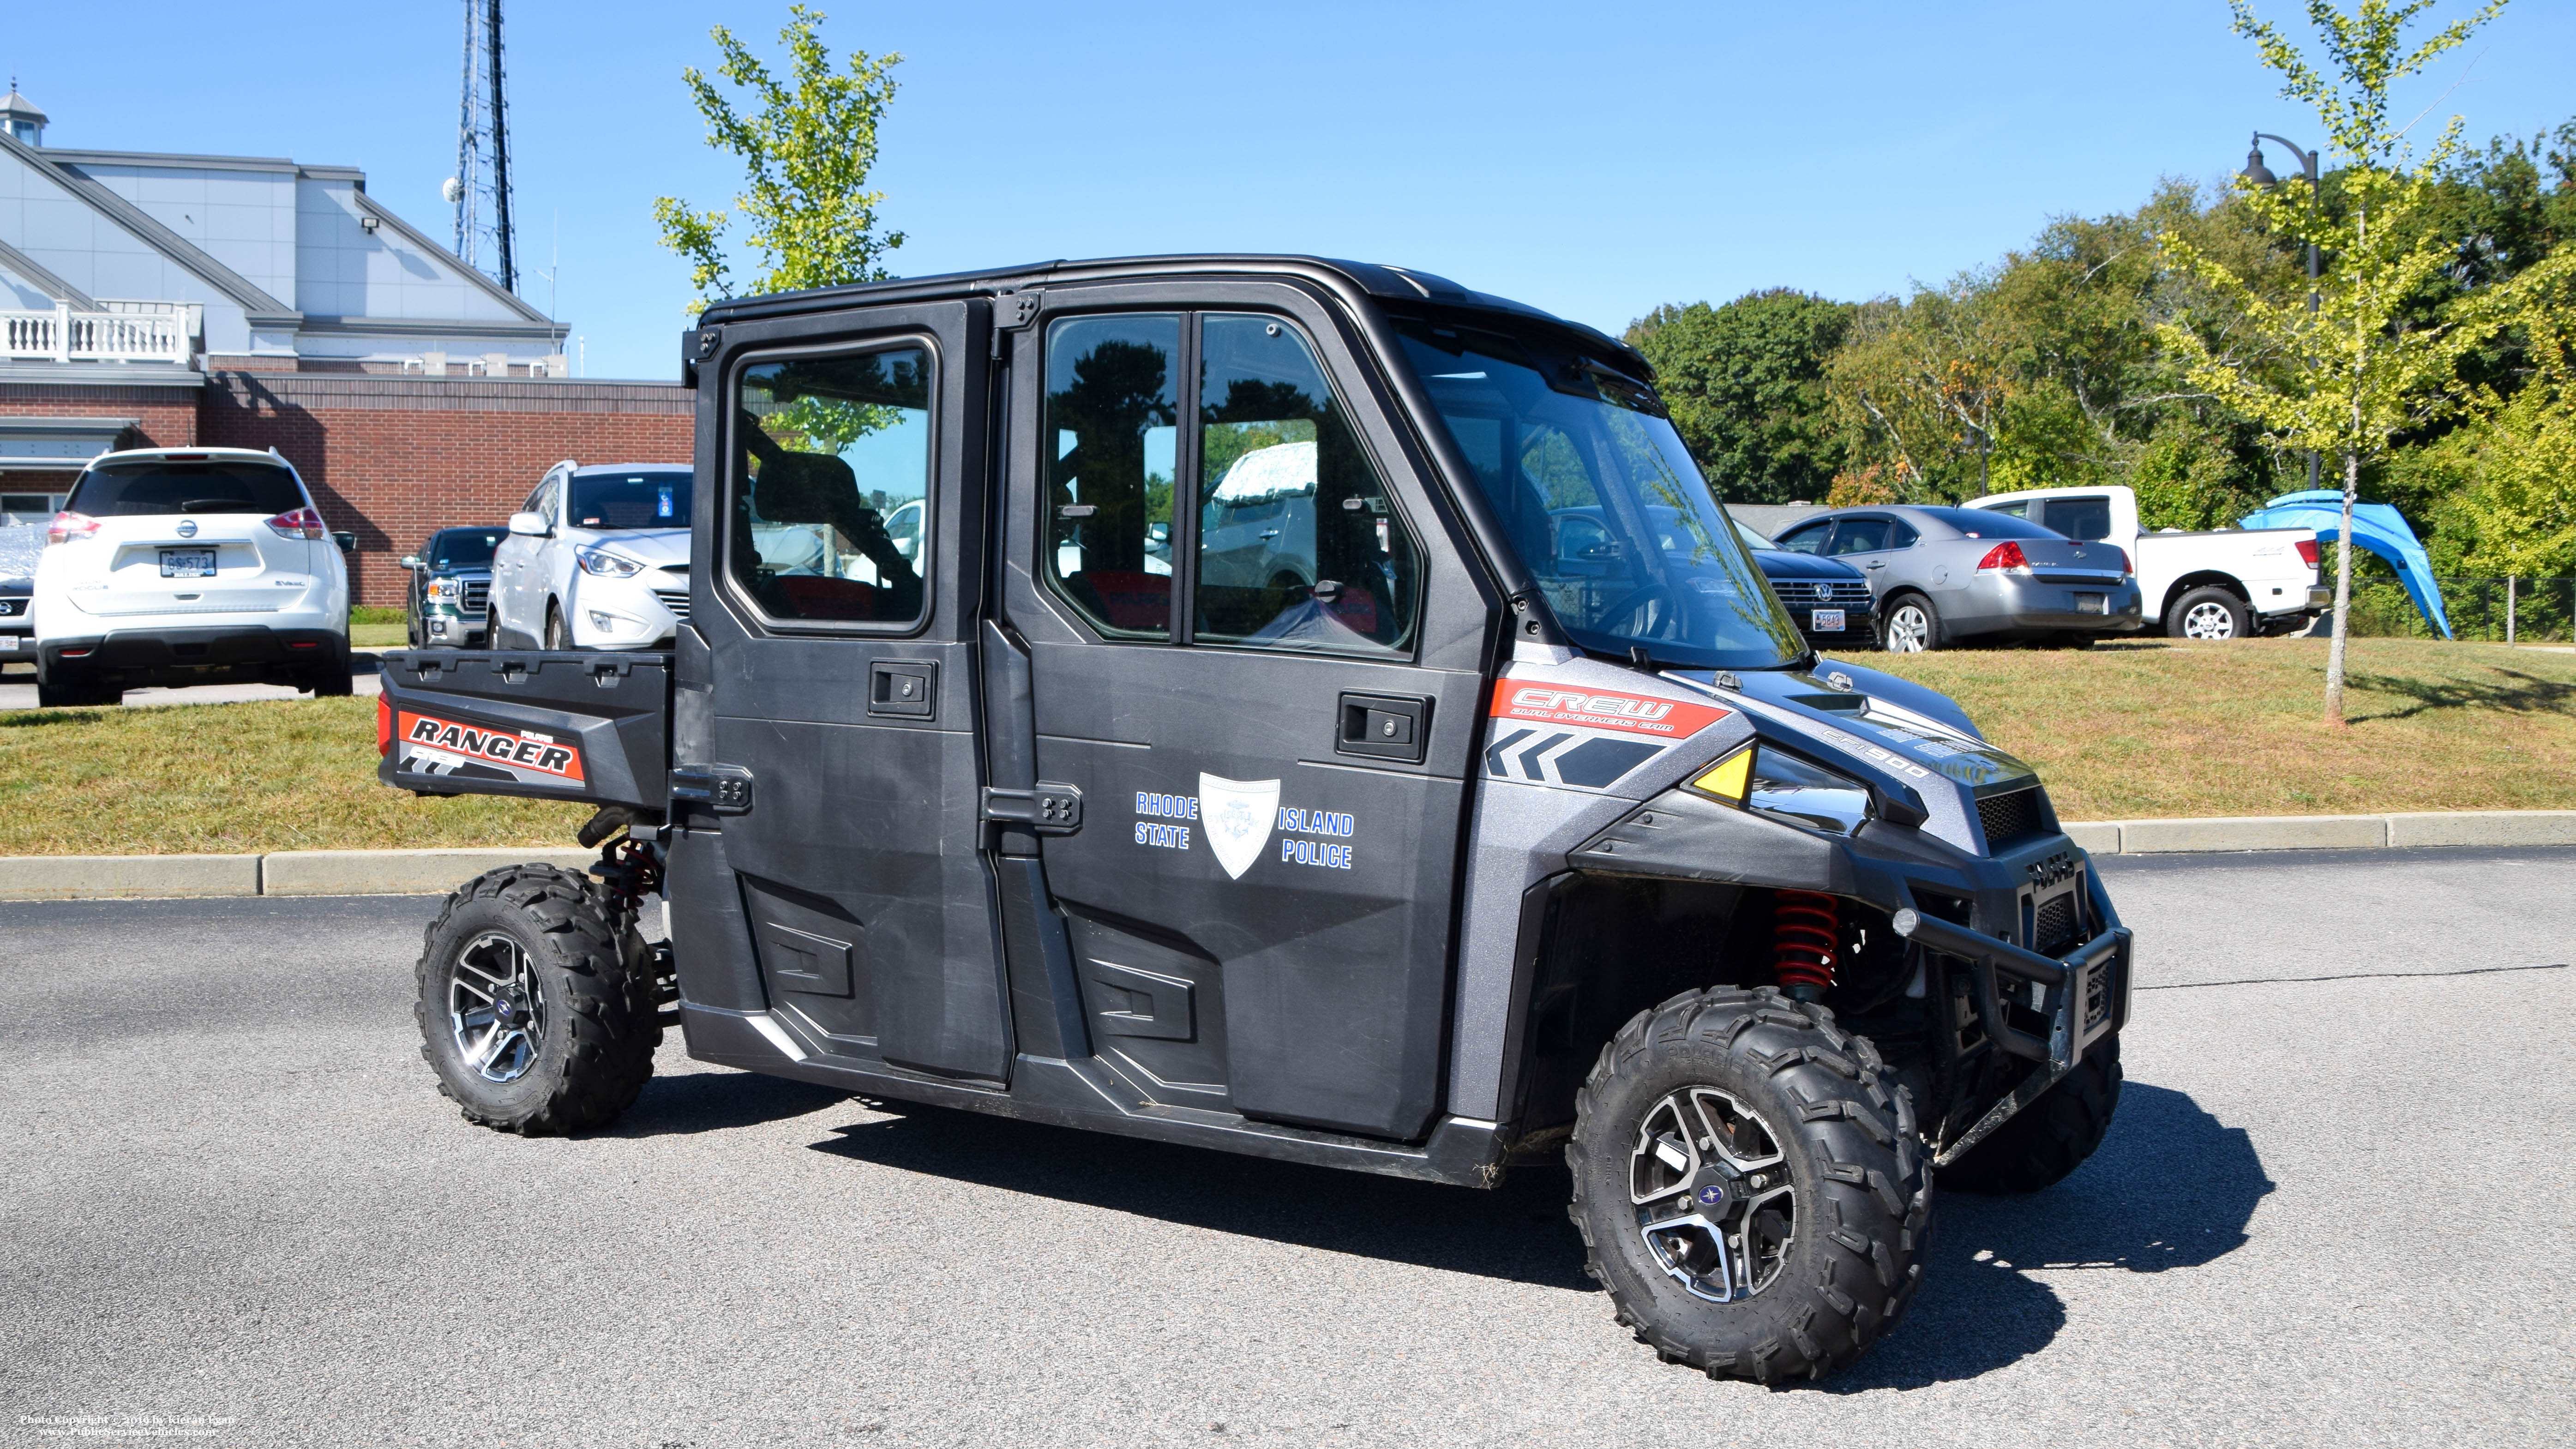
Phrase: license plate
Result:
[2092,603]
[8,643]
[187,563]
[1826,621]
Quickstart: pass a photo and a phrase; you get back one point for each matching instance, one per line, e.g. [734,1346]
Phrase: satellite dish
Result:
[452,189]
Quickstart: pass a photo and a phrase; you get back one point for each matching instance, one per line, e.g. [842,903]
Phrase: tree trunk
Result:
[2343,592]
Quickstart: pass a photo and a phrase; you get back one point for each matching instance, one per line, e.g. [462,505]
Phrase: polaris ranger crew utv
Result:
[1313,710]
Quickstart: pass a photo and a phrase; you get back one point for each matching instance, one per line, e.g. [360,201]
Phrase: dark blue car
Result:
[1828,598]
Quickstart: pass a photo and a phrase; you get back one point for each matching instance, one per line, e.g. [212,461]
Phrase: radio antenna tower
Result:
[481,186]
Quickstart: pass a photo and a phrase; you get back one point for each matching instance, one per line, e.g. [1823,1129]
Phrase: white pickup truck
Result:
[2226,584]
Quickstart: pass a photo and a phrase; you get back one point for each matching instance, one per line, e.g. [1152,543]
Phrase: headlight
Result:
[606,565]
[1775,782]
[443,591]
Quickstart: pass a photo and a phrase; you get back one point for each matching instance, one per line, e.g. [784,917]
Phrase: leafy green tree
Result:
[2363,376]
[1746,385]
[809,216]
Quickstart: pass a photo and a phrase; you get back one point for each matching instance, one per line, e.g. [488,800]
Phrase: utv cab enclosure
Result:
[1304,708]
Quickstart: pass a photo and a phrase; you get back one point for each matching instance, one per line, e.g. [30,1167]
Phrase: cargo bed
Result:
[551,725]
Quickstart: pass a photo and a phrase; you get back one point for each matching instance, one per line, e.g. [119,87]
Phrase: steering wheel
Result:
[1637,598]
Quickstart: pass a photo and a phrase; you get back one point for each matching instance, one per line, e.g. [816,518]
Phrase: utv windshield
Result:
[1601,501]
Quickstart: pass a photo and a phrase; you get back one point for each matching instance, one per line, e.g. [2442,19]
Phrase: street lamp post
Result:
[2261,175]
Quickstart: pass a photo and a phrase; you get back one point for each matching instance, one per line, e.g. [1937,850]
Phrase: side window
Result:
[1299,546]
[542,501]
[1901,534]
[831,452]
[2082,519]
[2018,509]
[1112,418]
[1860,535]
[1807,539]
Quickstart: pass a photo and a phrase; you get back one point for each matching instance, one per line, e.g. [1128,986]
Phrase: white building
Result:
[116,266]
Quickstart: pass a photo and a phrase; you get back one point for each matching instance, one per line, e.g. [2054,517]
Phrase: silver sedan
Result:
[1938,576]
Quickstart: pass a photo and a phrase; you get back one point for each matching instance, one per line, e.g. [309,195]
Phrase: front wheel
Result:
[1913,625]
[2043,1142]
[557,635]
[1749,1185]
[536,1002]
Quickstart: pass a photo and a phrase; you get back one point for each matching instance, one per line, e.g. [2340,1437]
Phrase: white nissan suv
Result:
[598,558]
[171,566]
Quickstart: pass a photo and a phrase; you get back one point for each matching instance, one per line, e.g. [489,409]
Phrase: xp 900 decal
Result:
[434,746]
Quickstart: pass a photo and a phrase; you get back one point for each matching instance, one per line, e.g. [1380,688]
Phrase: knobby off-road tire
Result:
[548,946]
[1859,1199]
[2048,1139]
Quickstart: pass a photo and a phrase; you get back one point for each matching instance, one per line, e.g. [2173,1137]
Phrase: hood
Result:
[652,547]
[1783,564]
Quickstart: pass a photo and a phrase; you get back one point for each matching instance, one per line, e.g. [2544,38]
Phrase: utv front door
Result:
[1254,650]
[842,758]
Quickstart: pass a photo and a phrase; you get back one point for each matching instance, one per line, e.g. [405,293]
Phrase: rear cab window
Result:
[2085,519]
[153,487]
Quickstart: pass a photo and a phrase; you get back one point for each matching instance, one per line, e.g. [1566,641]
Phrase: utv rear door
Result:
[827,704]
[1254,649]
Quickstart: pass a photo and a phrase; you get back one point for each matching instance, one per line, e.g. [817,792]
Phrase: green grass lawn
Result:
[2123,731]
[282,775]
[2154,727]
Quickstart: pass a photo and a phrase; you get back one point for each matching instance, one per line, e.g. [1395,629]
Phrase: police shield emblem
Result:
[1237,816]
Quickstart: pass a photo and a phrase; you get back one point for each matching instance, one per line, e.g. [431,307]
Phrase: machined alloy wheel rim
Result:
[1710,1186]
[495,1008]
[2210,620]
[1907,628]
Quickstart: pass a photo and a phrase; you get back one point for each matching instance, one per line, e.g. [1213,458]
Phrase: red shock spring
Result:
[1806,935]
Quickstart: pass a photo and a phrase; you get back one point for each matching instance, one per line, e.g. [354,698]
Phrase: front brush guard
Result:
[2086,1001]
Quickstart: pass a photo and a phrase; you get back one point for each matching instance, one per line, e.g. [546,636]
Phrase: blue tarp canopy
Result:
[2375,526]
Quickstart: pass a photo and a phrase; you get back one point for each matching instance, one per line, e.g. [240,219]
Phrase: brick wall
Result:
[396,457]
[166,417]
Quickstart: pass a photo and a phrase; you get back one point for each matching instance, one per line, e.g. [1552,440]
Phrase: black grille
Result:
[2052,930]
[478,593]
[675,600]
[2009,816]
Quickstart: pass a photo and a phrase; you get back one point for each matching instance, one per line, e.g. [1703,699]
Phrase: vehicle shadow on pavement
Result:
[2170,1188]
[1517,1232]
[690,1102]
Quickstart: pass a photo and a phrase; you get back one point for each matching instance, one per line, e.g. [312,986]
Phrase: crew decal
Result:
[437,746]
[1634,714]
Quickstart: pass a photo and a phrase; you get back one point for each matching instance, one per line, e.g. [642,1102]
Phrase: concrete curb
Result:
[394,872]
[285,873]
[2327,832]
[436,872]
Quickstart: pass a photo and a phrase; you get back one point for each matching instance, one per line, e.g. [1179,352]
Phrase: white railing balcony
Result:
[63,335]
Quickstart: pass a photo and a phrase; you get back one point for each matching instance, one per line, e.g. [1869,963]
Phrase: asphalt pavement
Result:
[2332,1212]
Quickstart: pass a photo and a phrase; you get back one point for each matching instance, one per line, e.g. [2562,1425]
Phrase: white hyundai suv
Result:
[172,566]
[598,558]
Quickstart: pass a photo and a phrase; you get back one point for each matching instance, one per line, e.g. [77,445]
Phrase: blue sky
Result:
[1594,161]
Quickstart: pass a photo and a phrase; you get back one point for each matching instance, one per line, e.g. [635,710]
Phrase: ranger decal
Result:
[434,746]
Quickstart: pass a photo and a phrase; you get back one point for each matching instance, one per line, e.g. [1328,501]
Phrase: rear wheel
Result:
[330,680]
[2208,612]
[1913,625]
[536,1002]
[74,695]
[1749,1185]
